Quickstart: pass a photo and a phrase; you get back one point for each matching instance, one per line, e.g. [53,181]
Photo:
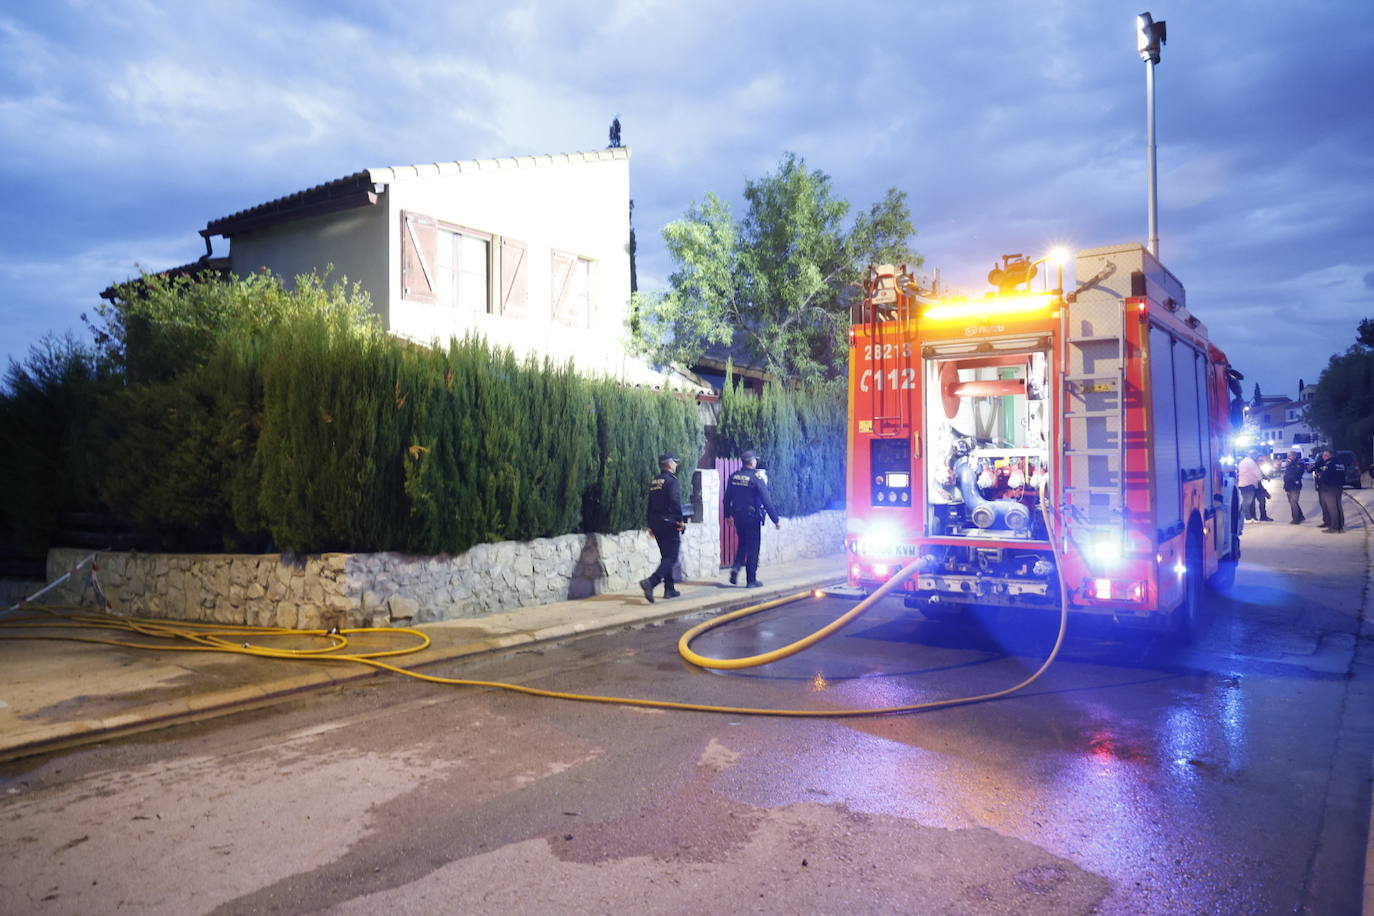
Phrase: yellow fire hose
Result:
[195,637]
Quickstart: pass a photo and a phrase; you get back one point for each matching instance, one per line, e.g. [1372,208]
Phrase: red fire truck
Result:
[982,427]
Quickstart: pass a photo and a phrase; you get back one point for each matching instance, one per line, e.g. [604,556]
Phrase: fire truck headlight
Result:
[1180,568]
[1102,589]
[1106,550]
[880,570]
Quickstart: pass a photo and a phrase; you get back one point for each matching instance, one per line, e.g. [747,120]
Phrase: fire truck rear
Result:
[980,428]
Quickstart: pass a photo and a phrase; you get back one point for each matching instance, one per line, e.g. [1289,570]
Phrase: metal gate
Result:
[729,541]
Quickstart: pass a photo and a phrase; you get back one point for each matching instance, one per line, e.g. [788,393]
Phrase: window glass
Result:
[462,278]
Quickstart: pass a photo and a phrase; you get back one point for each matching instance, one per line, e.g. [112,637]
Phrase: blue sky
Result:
[126,126]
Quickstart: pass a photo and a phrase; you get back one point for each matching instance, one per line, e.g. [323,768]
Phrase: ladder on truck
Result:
[1093,422]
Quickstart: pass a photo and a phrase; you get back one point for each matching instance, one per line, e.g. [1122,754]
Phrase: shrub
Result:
[263,417]
[49,452]
[800,434]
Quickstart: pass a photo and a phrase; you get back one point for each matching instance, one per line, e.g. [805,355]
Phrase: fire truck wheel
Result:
[1188,616]
[1225,577]
[938,611]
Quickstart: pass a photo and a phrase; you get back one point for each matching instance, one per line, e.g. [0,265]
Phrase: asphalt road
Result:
[1135,777]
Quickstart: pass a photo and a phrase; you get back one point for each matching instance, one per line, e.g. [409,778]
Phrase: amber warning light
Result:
[991,306]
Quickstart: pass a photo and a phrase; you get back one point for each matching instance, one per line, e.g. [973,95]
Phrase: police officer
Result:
[1292,484]
[747,502]
[1330,474]
[665,525]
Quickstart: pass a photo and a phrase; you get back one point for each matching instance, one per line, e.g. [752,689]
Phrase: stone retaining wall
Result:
[382,589]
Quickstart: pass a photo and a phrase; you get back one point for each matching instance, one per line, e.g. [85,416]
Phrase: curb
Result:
[60,736]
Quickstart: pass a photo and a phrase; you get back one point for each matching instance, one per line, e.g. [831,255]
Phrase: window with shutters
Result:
[462,274]
[459,268]
[515,294]
[571,276]
[419,241]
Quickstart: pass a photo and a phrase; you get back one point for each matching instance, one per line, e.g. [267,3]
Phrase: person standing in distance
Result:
[1292,484]
[747,502]
[1261,507]
[665,526]
[1248,480]
[1330,474]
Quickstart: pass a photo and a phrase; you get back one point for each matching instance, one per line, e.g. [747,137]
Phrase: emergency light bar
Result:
[1000,305]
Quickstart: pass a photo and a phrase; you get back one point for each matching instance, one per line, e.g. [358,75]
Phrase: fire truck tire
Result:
[1225,577]
[947,612]
[1188,617]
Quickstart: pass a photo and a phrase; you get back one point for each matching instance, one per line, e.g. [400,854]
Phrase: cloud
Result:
[125,128]
[59,289]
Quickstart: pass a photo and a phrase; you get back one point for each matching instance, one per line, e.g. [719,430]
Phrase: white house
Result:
[530,252]
[1279,422]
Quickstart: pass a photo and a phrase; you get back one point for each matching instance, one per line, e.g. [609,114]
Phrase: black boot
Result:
[647,586]
[668,590]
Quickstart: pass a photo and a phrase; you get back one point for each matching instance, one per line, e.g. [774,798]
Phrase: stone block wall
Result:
[383,589]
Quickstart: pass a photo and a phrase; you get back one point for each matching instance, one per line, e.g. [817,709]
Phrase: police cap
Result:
[749,455]
[666,457]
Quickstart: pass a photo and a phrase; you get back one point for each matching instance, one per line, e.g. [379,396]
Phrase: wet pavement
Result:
[1145,762]
[56,694]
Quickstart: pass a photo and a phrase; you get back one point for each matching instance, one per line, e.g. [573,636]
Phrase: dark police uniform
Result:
[1330,474]
[747,502]
[1292,486]
[665,521]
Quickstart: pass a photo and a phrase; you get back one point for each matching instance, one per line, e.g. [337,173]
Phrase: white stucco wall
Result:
[577,203]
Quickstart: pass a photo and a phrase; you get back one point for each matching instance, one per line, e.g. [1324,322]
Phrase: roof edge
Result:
[392,174]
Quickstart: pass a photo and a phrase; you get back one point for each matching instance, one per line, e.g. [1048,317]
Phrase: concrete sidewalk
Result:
[58,694]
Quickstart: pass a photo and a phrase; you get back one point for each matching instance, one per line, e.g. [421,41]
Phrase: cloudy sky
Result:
[127,125]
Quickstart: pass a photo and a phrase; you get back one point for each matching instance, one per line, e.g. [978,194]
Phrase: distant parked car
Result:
[1352,469]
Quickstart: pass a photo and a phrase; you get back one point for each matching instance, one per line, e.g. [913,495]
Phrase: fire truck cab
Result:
[982,427]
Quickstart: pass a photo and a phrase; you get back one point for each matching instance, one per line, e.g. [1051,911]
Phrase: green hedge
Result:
[298,425]
[49,412]
[800,435]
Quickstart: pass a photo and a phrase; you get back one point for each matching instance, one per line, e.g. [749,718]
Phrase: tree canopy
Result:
[771,286]
[1342,407]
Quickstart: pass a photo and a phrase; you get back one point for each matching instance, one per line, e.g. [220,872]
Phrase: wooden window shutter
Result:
[562,286]
[515,290]
[419,257]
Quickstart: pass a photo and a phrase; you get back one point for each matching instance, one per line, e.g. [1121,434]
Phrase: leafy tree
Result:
[1365,333]
[1342,407]
[771,284]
